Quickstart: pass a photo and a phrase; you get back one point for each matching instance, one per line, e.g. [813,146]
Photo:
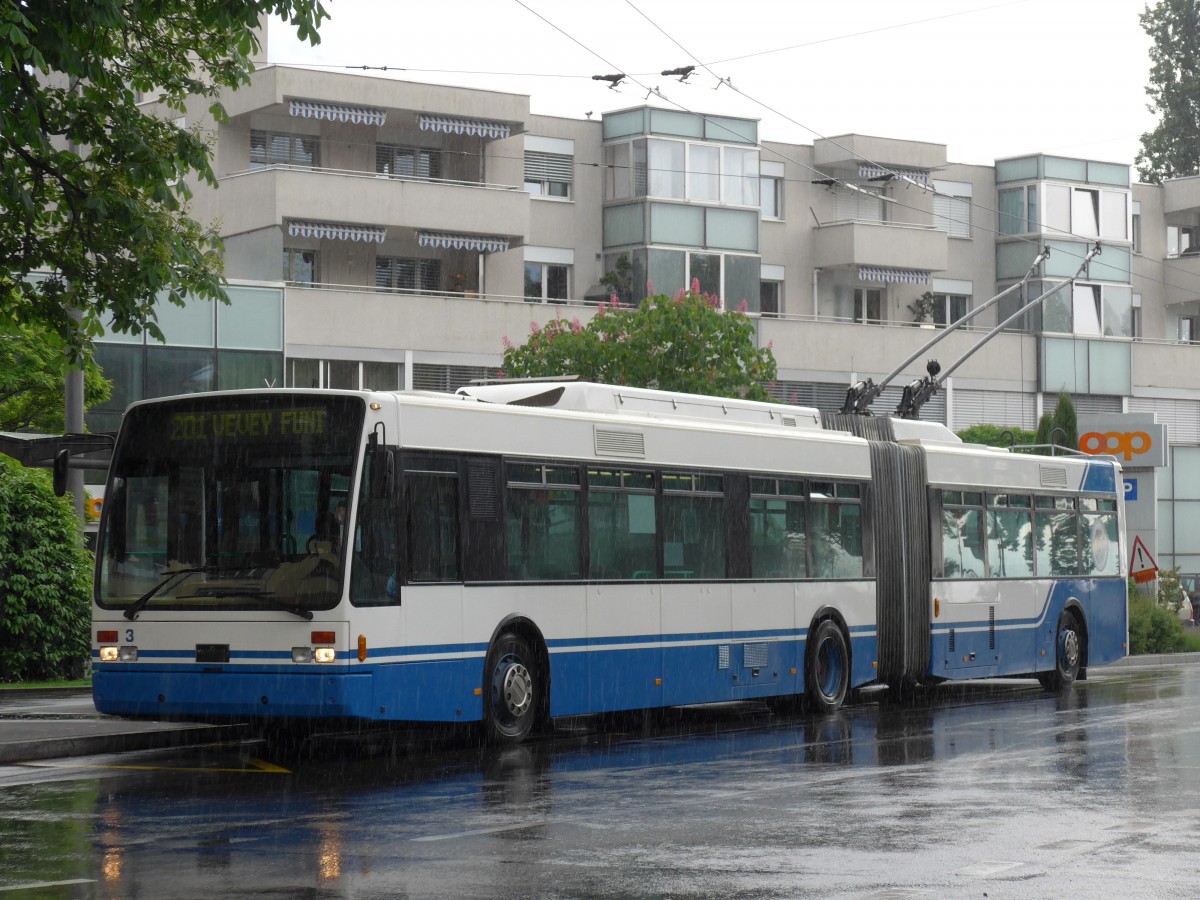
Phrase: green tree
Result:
[1172,149]
[683,344]
[32,369]
[1059,428]
[95,190]
[45,580]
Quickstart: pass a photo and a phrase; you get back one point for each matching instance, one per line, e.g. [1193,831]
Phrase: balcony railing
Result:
[363,173]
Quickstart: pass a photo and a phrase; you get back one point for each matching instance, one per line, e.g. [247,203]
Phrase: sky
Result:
[989,79]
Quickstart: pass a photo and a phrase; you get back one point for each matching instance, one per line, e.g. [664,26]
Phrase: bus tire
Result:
[1068,654]
[827,668]
[513,686]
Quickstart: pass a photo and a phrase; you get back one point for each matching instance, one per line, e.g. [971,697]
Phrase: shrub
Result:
[45,580]
[1154,625]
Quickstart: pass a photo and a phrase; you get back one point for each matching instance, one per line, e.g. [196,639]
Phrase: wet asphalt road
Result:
[976,792]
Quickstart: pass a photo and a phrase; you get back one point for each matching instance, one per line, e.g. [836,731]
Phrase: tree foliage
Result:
[685,343]
[1060,428]
[996,435]
[32,370]
[1172,149]
[45,580]
[94,189]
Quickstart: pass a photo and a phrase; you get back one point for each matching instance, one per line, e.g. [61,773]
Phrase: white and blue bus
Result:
[521,551]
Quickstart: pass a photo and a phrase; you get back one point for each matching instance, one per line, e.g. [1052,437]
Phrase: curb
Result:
[121,742]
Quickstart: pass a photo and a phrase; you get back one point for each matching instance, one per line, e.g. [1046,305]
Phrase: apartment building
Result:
[388,234]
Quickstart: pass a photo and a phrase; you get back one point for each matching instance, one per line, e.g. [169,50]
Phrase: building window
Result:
[1189,329]
[704,173]
[1183,240]
[393,273]
[868,305]
[299,266]
[771,189]
[770,298]
[952,208]
[270,148]
[949,308]
[408,162]
[859,205]
[705,268]
[546,282]
[549,174]
[1135,234]
[1018,210]
[739,182]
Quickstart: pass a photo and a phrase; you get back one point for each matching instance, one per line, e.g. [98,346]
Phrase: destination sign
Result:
[247,424]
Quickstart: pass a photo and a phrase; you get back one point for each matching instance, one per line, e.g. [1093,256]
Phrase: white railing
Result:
[284,167]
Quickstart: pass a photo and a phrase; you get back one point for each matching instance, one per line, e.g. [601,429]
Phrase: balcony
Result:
[402,101]
[845,244]
[809,348]
[1181,195]
[266,197]
[848,151]
[370,320]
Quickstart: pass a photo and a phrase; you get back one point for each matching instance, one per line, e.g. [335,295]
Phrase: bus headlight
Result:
[324,654]
[302,654]
[108,654]
[127,653]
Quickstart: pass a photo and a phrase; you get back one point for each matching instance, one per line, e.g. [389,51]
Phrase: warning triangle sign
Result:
[1142,567]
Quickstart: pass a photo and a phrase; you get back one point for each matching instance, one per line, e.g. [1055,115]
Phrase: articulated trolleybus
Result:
[516,552]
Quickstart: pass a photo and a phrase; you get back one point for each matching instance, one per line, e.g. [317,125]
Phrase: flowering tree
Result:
[682,343]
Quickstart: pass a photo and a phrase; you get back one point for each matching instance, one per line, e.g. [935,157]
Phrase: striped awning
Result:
[481,242]
[879,274]
[337,231]
[870,170]
[337,112]
[452,125]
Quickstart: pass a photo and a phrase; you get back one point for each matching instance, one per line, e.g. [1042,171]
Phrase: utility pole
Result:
[73,420]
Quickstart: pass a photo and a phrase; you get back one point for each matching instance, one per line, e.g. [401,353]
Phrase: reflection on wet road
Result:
[968,792]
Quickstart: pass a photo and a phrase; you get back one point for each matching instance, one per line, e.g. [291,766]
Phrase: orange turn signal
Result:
[362,648]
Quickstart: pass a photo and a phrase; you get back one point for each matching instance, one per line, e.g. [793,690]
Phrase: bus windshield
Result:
[235,502]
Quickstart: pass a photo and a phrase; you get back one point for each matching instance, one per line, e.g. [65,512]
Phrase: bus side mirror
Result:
[383,472]
[62,462]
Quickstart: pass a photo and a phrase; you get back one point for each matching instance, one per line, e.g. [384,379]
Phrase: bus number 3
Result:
[129,635]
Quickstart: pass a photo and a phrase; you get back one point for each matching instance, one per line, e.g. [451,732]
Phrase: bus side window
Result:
[962,535]
[431,525]
[374,548]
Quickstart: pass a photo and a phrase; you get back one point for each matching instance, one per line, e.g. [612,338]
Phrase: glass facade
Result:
[206,347]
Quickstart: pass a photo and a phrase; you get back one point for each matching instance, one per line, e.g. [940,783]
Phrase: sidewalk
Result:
[54,723]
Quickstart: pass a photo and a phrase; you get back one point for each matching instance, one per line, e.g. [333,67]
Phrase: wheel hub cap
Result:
[1070,648]
[516,689]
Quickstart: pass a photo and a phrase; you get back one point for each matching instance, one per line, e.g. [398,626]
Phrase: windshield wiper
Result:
[140,603]
[271,600]
[294,610]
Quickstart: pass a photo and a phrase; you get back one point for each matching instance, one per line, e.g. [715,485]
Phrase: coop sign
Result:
[1140,443]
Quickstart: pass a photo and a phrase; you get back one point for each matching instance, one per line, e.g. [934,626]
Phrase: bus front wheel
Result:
[827,668]
[1068,654]
[513,686]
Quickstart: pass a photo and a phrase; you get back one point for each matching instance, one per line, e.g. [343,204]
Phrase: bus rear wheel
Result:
[513,690]
[827,668]
[1068,654]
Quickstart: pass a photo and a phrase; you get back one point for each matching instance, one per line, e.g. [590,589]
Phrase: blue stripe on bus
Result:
[602,679]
